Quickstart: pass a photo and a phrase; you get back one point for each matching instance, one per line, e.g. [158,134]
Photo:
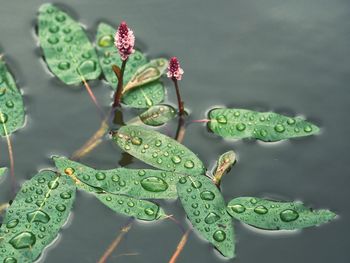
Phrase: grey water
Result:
[288,56]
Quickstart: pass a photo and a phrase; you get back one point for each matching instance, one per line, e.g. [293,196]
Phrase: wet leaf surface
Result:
[224,164]
[273,215]
[155,116]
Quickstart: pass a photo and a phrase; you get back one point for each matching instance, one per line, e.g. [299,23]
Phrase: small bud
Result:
[124,40]
[174,70]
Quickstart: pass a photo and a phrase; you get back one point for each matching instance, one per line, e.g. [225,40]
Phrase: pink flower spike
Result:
[124,40]
[174,70]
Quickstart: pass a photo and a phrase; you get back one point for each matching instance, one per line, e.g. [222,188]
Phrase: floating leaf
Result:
[2,171]
[147,73]
[11,103]
[67,50]
[34,218]
[108,56]
[265,126]
[206,209]
[155,116]
[138,183]
[225,162]
[145,96]
[158,150]
[273,215]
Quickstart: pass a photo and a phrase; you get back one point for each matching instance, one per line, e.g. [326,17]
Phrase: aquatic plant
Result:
[43,203]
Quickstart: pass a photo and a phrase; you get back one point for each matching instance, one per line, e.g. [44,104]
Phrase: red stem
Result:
[118,93]
[179,100]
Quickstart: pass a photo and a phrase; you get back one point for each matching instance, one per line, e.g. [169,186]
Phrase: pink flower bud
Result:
[174,70]
[124,40]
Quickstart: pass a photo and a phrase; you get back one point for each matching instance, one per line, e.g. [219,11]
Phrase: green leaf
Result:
[2,171]
[224,164]
[129,206]
[158,150]
[265,126]
[108,56]
[273,215]
[67,50]
[34,218]
[206,209]
[145,96]
[155,116]
[11,103]
[147,73]
[138,183]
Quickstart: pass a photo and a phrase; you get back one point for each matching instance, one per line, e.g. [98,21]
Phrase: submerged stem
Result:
[119,74]
[180,246]
[11,157]
[91,94]
[179,100]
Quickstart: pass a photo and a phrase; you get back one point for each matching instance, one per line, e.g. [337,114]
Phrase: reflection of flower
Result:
[124,40]
[174,70]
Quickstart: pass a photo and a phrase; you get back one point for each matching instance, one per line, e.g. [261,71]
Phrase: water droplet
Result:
[86,177]
[105,41]
[261,210]
[23,240]
[149,211]
[154,184]
[176,159]
[142,172]
[53,40]
[279,128]
[39,191]
[100,176]
[3,117]
[10,104]
[60,18]
[307,128]
[289,215]
[253,201]
[54,29]
[196,184]
[68,39]
[65,195]
[219,236]
[207,195]
[182,180]
[189,164]
[69,171]
[211,218]
[158,143]
[196,213]
[38,216]
[237,208]
[2,90]
[240,126]
[131,204]
[29,200]
[115,178]
[61,207]
[263,133]
[291,121]
[87,66]
[236,113]
[64,65]
[221,119]
[194,205]
[136,141]
[53,184]
[12,223]
[10,260]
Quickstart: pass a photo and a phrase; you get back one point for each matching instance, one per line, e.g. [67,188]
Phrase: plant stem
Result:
[180,247]
[92,95]
[118,93]
[179,100]
[11,157]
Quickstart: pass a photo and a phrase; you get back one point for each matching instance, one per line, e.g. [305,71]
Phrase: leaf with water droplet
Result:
[206,209]
[11,103]
[155,116]
[137,183]
[151,92]
[67,50]
[147,73]
[265,126]
[224,164]
[36,215]
[275,215]
[158,150]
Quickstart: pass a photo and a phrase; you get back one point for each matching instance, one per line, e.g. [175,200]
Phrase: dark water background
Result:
[291,57]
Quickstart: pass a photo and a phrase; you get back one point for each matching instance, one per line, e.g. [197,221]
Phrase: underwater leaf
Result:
[2,171]
[145,96]
[67,50]
[138,183]
[11,103]
[224,164]
[265,126]
[147,73]
[206,209]
[158,150]
[34,218]
[108,56]
[129,206]
[155,116]
[274,215]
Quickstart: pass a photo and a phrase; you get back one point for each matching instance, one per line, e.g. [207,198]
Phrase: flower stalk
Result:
[175,73]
